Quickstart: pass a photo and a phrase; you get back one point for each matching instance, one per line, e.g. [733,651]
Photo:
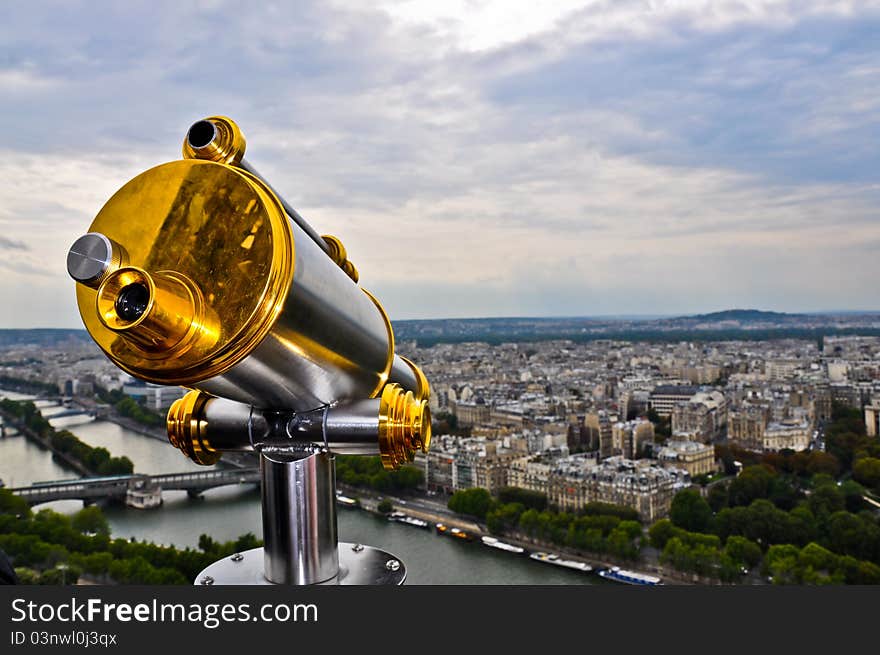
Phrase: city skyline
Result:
[477,159]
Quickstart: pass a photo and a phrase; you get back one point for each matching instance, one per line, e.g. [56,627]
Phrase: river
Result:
[226,513]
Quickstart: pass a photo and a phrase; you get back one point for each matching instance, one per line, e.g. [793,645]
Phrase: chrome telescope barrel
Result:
[394,426]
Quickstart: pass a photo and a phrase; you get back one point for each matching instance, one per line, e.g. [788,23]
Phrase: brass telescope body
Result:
[196,273]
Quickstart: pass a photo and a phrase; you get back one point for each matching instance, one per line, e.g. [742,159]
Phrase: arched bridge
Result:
[116,486]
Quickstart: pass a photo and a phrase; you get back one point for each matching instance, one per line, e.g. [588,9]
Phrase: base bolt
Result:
[237,557]
[392,565]
[357,548]
[207,580]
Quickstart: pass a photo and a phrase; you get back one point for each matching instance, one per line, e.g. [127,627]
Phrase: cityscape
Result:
[490,292]
[556,444]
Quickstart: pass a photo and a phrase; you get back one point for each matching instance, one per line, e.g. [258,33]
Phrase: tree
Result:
[528,498]
[13,505]
[751,484]
[867,471]
[385,506]
[207,543]
[852,495]
[621,544]
[661,532]
[607,509]
[91,520]
[781,562]
[743,551]
[504,517]
[718,497]
[475,502]
[826,499]
[690,511]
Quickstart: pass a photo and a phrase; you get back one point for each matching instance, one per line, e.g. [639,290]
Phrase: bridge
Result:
[77,411]
[117,486]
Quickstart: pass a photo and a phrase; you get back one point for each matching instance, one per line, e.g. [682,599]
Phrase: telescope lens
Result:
[132,302]
[201,134]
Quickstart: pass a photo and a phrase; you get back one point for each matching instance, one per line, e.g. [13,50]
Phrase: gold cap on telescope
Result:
[209,239]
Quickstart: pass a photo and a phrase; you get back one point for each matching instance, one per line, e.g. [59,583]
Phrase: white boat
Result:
[618,574]
[553,558]
[345,500]
[400,517]
[495,543]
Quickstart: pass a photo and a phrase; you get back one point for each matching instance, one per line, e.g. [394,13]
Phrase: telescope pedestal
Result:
[358,565]
[298,493]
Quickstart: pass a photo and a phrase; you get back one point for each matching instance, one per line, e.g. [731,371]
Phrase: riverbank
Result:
[46,444]
[369,501]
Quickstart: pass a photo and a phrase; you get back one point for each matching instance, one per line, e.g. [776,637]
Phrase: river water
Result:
[226,513]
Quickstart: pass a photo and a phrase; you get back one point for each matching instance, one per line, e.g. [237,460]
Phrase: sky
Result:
[498,158]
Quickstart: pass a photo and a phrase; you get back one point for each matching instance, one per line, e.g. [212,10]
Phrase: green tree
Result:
[504,518]
[753,483]
[526,497]
[781,563]
[385,506]
[743,551]
[718,497]
[867,471]
[852,496]
[607,509]
[690,511]
[661,532]
[91,520]
[621,544]
[826,499]
[13,505]
[475,502]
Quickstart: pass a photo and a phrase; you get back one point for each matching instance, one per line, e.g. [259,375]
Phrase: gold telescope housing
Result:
[395,426]
[197,273]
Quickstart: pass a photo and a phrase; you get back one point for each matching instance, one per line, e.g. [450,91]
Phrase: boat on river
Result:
[553,558]
[458,533]
[400,517]
[492,542]
[346,501]
[618,574]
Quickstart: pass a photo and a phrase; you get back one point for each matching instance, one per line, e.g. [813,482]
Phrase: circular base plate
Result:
[358,565]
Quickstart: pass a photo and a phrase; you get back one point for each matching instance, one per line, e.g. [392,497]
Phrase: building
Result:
[456,463]
[705,414]
[438,470]
[846,394]
[531,473]
[470,414]
[629,438]
[752,427]
[746,425]
[633,402]
[822,403]
[153,396]
[872,418]
[598,425]
[691,456]
[789,434]
[640,485]
[664,397]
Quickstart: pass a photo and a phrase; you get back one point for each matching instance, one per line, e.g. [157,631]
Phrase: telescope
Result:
[198,273]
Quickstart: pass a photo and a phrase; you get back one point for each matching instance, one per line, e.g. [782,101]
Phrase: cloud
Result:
[12,244]
[477,158]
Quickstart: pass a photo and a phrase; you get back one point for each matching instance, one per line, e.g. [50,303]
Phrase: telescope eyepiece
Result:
[132,302]
[217,139]
[201,134]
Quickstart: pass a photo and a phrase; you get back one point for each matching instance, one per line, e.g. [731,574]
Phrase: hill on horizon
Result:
[744,315]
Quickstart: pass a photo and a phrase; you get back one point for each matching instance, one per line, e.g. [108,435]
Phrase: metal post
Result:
[299,517]
[299,531]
